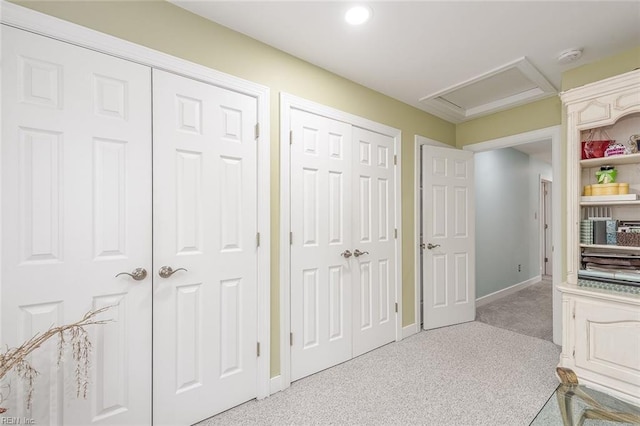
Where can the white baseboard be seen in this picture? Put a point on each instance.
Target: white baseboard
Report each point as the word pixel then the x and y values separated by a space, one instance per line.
pixel 481 301
pixel 276 385
pixel 410 330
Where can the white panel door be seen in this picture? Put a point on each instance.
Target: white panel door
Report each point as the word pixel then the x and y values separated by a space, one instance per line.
pixel 76 211
pixel 372 226
pixel 205 222
pixel 448 223
pixel 343 243
pixel 321 287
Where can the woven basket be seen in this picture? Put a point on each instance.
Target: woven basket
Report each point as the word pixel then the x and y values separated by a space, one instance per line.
pixel 629 239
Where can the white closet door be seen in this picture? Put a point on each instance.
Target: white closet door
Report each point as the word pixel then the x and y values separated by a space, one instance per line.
pixel 373 220
pixel 321 292
pixel 205 221
pixel 76 211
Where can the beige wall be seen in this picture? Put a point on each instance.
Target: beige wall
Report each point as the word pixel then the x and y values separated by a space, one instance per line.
pixel 167 28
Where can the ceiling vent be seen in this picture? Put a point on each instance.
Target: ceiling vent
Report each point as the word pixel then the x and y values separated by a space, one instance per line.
pixel 510 85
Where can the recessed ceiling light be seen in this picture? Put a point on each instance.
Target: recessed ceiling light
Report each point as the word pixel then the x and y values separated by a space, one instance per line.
pixel 358 15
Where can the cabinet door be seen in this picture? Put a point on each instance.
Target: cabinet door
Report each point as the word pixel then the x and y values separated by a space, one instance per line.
pixel 608 339
pixel 76 211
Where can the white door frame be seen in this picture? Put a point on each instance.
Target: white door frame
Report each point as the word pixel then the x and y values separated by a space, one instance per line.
pixel 288 102
pixel 542 209
pixel 553 133
pixel 417 219
pixel 39 23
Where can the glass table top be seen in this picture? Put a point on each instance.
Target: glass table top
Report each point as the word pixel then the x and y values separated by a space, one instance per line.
pixel 574 404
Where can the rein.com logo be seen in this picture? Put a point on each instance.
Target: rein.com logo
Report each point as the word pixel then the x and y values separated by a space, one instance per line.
pixel 17 421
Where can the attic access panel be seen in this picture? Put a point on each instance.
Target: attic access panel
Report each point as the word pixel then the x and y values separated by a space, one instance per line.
pixel 508 86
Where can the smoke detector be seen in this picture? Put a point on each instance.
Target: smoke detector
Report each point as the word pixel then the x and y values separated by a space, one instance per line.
pixel 569 55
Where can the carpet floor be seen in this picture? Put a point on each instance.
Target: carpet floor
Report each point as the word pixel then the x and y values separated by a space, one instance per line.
pixel 468 374
pixel 528 311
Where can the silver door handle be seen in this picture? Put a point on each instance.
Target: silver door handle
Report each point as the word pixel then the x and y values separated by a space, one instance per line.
pixel 167 271
pixel 432 246
pixel 346 254
pixel 137 274
pixel 358 253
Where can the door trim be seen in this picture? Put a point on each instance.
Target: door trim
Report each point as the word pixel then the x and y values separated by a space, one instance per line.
pixel 544 183
pixel 287 103
pixel 39 23
pixel 553 133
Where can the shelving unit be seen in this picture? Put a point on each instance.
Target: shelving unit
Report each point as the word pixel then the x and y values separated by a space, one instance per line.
pixel 614 160
pixel 601 326
pixel 612 247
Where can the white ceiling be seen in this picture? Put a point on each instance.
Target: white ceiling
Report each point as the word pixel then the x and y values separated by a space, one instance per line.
pixel 414 49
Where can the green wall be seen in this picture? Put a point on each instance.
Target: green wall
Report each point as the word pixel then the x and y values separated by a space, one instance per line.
pixel 170 29
pixel 614 65
pixel 525 118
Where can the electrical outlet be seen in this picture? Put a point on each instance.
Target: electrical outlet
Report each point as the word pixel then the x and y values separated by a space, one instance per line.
pixel 519 268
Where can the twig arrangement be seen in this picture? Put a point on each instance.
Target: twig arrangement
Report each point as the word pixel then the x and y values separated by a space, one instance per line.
pixel 73 334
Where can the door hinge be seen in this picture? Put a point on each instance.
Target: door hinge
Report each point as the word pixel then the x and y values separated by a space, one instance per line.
pixel 258 348
pixel 290 137
pixel 546 226
pixel 395 160
pixel 290 237
pixel 546 259
pixel 396 307
pixel 290 339
pixel 395 233
pixel 573 354
pixel 573 314
pixel 257 239
pixel 257 130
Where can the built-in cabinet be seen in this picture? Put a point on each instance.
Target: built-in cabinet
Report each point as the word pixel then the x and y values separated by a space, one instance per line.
pixel 601 326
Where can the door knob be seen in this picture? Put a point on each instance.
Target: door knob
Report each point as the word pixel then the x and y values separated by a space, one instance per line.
pixel 167 271
pixel 346 254
pixel 137 274
pixel 358 253
pixel 432 246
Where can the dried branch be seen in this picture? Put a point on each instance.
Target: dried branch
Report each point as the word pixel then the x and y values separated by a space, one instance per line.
pixel 16 358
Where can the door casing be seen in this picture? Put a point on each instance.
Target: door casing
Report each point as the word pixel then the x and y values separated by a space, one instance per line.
pixel 288 102
pixel 553 133
pixel 27 19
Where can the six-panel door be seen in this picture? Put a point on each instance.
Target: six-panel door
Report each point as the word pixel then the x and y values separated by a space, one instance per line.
pixel 321 269
pixel 343 242
pixel 76 211
pixel 205 221
pixel 448 224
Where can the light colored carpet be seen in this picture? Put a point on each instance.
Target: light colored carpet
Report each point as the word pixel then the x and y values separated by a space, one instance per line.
pixel 528 311
pixel 469 374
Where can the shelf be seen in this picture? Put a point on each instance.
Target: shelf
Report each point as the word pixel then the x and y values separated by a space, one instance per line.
pixel 610 247
pixel 610 203
pixel 614 160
